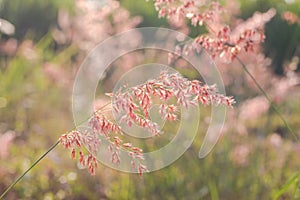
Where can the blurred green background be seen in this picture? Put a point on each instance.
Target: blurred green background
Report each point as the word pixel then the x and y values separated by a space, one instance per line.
pixel 254 159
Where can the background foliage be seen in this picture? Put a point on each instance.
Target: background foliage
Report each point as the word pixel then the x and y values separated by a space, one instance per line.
pixel 254 159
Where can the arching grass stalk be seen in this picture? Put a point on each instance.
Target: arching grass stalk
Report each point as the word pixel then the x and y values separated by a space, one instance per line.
pixel 32 166
pixel 286 124
pixel 39 159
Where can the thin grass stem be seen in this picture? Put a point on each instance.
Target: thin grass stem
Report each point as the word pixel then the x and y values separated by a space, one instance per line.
pixel 286 124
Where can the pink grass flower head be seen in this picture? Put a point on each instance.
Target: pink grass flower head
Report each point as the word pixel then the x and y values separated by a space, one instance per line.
pixel 134 105
pixel 223 41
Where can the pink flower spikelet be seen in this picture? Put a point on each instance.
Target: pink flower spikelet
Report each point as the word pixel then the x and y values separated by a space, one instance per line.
pixel 100 126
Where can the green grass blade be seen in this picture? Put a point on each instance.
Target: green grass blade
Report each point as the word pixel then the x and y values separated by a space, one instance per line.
pixel 286 186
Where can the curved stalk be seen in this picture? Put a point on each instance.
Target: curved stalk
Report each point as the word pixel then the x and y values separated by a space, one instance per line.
pixel 268 99
pixel 24 173
pixel 40 158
